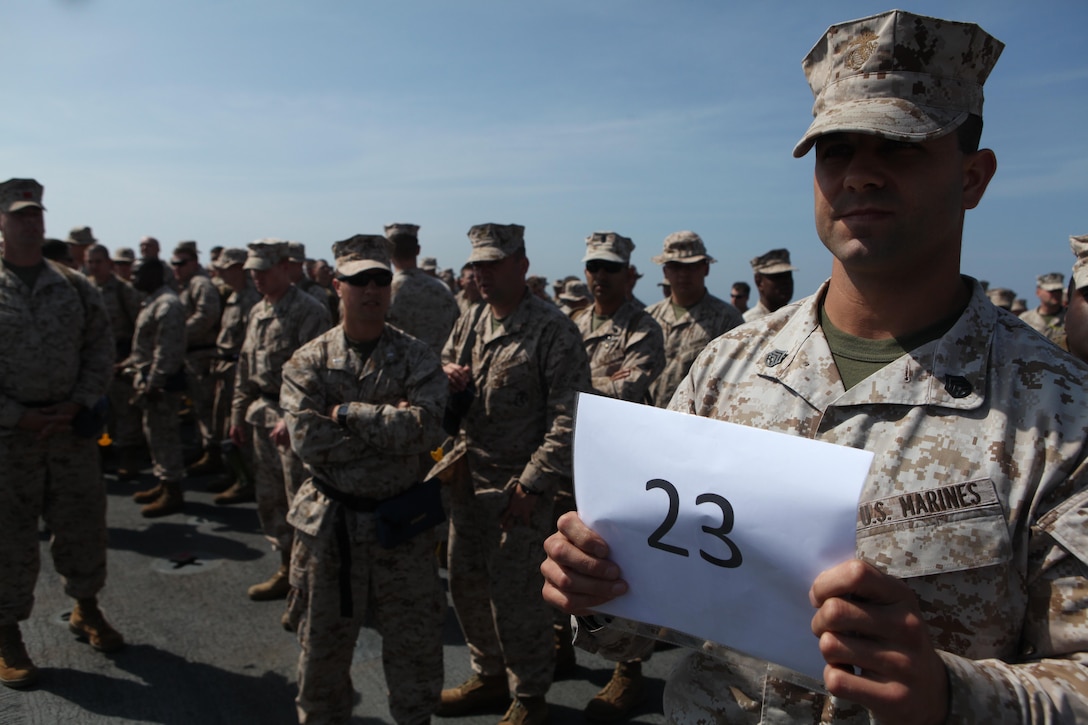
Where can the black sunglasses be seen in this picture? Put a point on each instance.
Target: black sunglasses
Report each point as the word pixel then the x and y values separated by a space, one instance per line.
pixel 178 262
pixel 380 277
pixel 594 266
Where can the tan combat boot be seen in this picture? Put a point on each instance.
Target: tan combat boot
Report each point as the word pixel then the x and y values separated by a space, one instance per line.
pixel 623 693
pixel 16 669
pixel 475 693
pixel 148 495
pixel 526 711
pixel 277 587
pixel 565 660
pixel 240 492
pixel 210 462
pixel 170 501
pixel 87 621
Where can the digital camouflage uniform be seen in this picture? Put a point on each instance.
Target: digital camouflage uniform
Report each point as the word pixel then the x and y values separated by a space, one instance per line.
pixel 976 500
pixel 158 353
pixel 526 371
pixel 686 336
pixel 57 348
pixel 755 313
pixel 630 340
pixel 1052 327
pixel 228 343
pixel 423 307
pixel 202 304
pixel 375 455
pixel 122 303
pixel 273 333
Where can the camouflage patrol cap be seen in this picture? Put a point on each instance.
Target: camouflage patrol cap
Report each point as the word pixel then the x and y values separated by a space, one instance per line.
pixel 360 253
pixel 16 194
pixel 1018 306
pixel 265 253
pixel 493 242
pixel 230 257
pixel 897 75
pixel 397 229
pixel 123 255
pixel 1001 297
pixel 684 247
pixel 81 236
pixel 608 246
pixel 296 251
pixel 575 292
pixel 1079 245
pixel 775 261
pixel 429 264
pixel 1050 282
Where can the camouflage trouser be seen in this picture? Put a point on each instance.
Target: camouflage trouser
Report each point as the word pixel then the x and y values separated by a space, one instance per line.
pixel 399 588
pixel 57 480
pixel 162 431
pixel 202 391
pixel 124 417
pixel 495 583
pixel 223 372
pixel 278 474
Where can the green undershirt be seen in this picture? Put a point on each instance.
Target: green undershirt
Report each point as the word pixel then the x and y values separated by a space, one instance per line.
pixel 28 275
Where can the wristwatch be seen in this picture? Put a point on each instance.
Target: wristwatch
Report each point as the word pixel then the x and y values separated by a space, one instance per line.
pixel 342 415
pixel 526 490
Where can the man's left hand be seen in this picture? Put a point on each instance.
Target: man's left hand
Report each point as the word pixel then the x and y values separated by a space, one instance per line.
pixel 877 645
pixel 519 510
pixel 280 436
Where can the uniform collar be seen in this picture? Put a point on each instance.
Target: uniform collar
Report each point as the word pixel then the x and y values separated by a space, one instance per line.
pixel 950 372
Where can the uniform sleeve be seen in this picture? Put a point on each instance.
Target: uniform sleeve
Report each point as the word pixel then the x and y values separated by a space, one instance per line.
pixel 315 437
pixel 644 356
pixel 564 371
pixel 96 349
pixel 451 351
pixel 1051 684
pixel 130 299
pixel 316 322
pixel 245 391
pixel 169 354
pixel 415 429
pixel 202 323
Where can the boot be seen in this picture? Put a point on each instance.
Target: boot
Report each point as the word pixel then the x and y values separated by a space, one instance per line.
pixel 147 495
pixel 240 492
pixel 623 693
pixel 87 621
pixel 210 462
pixel 219 484
pixel 526 711
pixel 128 463
pixel 277 587
pixel 170 501
pixel 565 661
pixel 474 694
pixel 16 669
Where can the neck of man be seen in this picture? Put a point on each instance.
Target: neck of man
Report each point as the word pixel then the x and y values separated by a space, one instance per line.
pixel 403 264
pixel 363 331
pixel 688 300
pixel 502 310
pixel 878 307
pixel 23 255
pixel 274 298
pixel 1049 308
pixel 606 308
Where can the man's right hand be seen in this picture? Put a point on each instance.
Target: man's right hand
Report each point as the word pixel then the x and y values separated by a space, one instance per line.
pixel 459 376
pixel 238 435
pixel 578 573
pixel 43 422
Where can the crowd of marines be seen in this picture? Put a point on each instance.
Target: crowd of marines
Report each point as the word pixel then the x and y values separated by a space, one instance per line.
pixel 352 399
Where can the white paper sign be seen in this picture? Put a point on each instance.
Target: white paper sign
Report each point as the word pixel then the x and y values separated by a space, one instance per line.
pixel 719 529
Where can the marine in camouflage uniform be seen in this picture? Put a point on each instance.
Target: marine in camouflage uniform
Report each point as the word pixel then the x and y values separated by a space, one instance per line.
pixel 966 601
pixel 284 320
pixel 1048 319
pixel 203 307
pixel 122 303
pixel 772 274
pixel 296 255
pixel 56 361
pixel 237 485
pixel 526 362
pixel 423 306
pixel 156 370
pixel 690 317
pixel 362 402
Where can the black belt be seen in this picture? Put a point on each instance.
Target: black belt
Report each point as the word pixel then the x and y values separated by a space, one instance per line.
pixel 40 404
pixel 360 504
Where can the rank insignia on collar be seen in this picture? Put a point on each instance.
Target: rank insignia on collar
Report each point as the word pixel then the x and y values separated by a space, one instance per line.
pixel 957 386
pixel 774 357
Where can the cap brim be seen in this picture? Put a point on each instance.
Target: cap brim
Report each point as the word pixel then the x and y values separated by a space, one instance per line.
pixel 892 118
pixel 19 205
pixel 604 256
pixel 485 254
pixel 258 264
pixel 778 269
pixel 1051 287
pixel 353 267
pixel 665 258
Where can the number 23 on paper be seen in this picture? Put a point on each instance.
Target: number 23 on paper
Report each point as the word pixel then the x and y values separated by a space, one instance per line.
pixel 718 532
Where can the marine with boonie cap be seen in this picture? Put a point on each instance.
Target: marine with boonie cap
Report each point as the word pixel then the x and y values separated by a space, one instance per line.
pixel 1076 313
pixel 969 611
pixel 773 278
pixel 296 254
pixel 422 305
pixel 382 408
pixel 690 316
pixel 1048 319
pixel 285 319
pixel 79 238
pixel 525 360
pixel 1001 297
pixel 626 351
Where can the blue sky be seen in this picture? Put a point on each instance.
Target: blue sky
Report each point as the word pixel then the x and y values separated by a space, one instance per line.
pixel 226 121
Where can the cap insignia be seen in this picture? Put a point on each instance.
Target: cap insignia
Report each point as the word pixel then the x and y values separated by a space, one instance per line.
pixel 860 49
